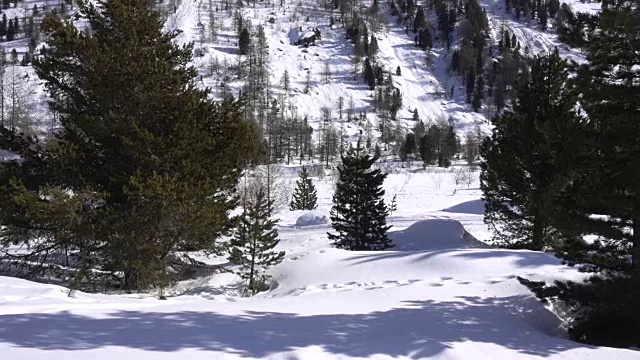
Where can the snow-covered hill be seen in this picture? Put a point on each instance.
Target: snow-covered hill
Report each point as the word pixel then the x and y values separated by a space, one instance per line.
pixel 422 86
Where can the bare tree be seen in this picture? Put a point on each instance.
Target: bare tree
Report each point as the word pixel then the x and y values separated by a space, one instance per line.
pixel 340 106
pixel 307 82
pixel 286 81
pixel 326 72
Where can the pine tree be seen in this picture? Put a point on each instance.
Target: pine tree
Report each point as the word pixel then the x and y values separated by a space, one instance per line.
pixel 426 149
pixel 600 162
pixel 408 147
pixel 518 172
pixel 244 42
pixel 606 181
pixel 373 47
pixel 11 31
pixel 369 76
pixel 359 212
pixel 162 159
pixel 305 195
pixel 252 245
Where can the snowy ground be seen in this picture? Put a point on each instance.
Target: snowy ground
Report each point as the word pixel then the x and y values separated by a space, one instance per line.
pixel 439 294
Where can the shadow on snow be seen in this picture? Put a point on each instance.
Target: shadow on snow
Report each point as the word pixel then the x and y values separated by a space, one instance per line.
pixel 419 329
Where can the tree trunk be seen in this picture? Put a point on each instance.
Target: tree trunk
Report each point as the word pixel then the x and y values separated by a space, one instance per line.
pixel 635 250
pixel 537 240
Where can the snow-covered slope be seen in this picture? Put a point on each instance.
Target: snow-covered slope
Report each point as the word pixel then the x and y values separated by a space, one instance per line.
pixel 439 294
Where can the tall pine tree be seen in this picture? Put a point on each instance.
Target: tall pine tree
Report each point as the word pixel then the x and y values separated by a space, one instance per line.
pixel 601 178
pixel 157 160
pixel 606 180
pixel 253 242
pixel 359 213
pixel 305 196
pixel 518 168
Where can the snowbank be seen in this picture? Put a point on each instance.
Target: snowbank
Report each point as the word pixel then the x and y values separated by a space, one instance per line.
pixel 434 234
pixel 312 218
pixel 475 207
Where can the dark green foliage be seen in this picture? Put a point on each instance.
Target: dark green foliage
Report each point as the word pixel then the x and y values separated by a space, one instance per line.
pixel 408 147
pixel 419 22
pixel 245 42
pixel 424 39
pixel 369 76
pixel 359 213
pixel 153 161
pixel 305 195
pixel 438 145
pixel 518 169
pixel 372 49
pixel 427 150
pixel 11 31
pixel 252 244
pixel 596 166
pixel 476 102
pixel 604 311
pixel 604 161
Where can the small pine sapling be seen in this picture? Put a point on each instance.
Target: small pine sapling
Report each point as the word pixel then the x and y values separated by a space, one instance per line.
pixel 252 244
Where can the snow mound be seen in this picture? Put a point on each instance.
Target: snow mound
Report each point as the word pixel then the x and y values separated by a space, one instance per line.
pixel 312 218
pixel 468 207
pixel 434 234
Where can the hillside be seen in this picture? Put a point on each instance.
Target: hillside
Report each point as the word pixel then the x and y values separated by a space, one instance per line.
pixel 427 84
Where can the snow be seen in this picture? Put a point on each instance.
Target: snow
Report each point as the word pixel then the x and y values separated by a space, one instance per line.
pixel 6 155
pixel 439 294
pixel 311 218
pixel 434 234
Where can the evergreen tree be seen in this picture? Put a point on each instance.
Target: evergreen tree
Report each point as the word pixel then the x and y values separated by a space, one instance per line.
pixel 419 22
pixel 408 147
pixel 3 25
pixel 373 47
pixel 606 181
pixel 600 163
pixel 427 149
pixel 359 212
pixel 369 76
pixel 518 172
pixel 252 244
pixel 156 158
pixel 244 42
pixel 11 31
pixel 305 194
pixel 447 144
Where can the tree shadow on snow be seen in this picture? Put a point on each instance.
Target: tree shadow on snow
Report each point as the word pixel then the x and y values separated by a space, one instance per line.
pixel 417 329
pixel 520 258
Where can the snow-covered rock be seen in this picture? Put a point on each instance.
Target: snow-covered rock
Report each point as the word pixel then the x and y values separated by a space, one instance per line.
pixel 312 218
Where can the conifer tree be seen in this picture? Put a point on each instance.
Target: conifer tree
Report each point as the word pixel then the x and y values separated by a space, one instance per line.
pixel 369 76
pixel 518 172
pixel 606 180
pixel 305 195
pixel 600 162
pixel 244 42
pixel 252 244
pixel 359 213
pixel 158 160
